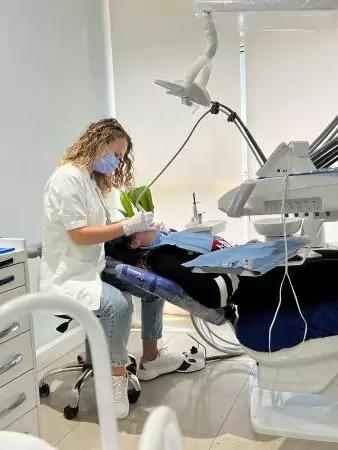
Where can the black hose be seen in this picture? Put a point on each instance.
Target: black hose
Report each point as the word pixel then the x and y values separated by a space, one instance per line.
pixel 324 134
pixel 327 155
pixel 330 159
pixel 171 159
pixel 234 117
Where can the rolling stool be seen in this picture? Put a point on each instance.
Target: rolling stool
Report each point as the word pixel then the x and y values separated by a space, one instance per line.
pixel 84 365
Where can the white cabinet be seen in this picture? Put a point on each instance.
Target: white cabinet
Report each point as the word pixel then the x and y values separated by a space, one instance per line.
pixel 12 277
pixel 15 326
pixel 18 379
pixel 17 398
pixel 16 358
pixel 26 424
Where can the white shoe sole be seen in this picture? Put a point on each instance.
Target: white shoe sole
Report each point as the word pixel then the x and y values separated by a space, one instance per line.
pixel 148 375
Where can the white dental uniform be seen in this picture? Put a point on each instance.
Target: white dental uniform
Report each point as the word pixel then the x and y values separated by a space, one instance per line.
pixel 71 200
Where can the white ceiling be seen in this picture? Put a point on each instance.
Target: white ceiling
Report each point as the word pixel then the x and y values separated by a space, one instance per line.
pixel 274 15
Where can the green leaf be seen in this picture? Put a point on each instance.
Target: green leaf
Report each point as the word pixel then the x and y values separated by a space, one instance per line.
pixel 146 200
pixel 127 204
pixel 129 199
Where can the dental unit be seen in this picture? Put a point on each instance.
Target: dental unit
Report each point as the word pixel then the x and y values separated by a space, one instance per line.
pixel 299 180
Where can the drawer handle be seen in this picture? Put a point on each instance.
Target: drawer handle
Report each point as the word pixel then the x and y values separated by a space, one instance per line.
pixel 19 401
pixel 15 361
pixel 7 280
pixel 6 262
pixel 11 329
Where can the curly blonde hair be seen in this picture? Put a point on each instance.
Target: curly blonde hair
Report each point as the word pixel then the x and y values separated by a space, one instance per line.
pixel 83 152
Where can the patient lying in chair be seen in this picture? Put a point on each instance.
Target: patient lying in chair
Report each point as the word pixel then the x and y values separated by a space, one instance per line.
pixel 256 297
pixel 211 290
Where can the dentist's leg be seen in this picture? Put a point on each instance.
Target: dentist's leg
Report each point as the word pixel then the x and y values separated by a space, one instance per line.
pixel 115 316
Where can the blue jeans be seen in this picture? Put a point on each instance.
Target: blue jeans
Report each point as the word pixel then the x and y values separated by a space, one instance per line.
pixel 116 314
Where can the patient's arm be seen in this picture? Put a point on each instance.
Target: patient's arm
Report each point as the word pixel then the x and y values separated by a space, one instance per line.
pixel 166 261
pixel 201 287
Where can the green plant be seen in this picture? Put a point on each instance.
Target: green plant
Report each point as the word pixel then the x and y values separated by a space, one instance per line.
pixel 129 199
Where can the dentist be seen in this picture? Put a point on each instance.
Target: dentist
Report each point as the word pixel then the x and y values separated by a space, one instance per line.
pixel 76 223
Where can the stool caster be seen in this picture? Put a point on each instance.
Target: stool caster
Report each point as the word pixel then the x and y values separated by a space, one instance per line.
pixel 44 390
pixel 69 412
pixel 133 395
pixel 134 388
pixel 132 366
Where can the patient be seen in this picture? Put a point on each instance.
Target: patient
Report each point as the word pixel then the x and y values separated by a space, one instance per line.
pixel 256 298
pixel 211 290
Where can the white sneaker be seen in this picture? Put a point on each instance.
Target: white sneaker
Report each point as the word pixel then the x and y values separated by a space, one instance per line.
pixel 165 362
pixel 120 396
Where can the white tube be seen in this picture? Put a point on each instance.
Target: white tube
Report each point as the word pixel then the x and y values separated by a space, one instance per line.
pixel 97 342
pixel 217 342
pixel 211 34
pixel 203 77
pixel 209 52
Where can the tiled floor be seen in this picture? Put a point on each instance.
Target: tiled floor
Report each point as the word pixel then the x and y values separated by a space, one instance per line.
pixel 211 406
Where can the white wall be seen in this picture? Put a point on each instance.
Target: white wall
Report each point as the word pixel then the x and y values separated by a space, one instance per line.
pixel 55 79
pixel 53 82
pixel 292 89
pixel 156 39
pixel 292 85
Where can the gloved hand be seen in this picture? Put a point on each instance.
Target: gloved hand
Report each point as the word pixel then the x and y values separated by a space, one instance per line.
pixel 161 226
pixel 142 221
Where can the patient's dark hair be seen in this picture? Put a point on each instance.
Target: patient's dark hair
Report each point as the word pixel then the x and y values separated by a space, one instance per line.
pixel 120 249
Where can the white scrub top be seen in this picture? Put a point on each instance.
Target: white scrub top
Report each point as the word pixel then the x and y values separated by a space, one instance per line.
pixel 71 200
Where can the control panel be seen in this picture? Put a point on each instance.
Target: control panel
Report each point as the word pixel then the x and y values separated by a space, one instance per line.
pixel 293 206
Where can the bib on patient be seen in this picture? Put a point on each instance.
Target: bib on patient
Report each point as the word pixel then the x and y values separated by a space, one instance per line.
pixel 194 242
pixel 249 259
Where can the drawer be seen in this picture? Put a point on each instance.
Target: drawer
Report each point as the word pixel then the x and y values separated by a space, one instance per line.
pixel 16 326
pixel 28 424
pixel 8 259
pixel 17 399
pixel 16 357
pixel 12 277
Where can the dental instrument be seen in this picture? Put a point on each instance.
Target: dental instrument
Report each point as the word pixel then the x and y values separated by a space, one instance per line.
pixel 192 89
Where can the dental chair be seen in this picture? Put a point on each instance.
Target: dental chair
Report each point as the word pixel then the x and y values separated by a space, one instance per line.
pixel 291 390
pixel 83 365
pixel 294 391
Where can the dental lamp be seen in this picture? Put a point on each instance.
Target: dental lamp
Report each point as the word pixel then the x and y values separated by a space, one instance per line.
pixel 246 15
pixel 192 89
